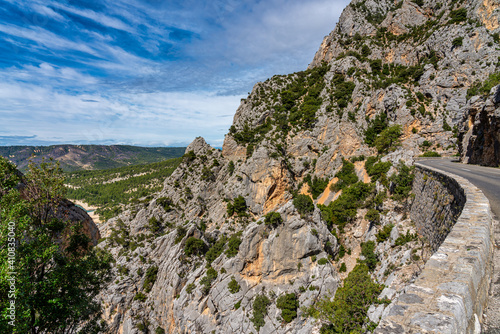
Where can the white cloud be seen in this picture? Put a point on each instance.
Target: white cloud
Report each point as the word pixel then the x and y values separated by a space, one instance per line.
pixel 144 119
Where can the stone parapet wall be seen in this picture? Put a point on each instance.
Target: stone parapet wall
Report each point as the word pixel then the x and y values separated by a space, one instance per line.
pixel 450 294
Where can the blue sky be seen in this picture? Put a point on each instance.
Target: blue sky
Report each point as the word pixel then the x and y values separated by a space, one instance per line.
pixel 150 72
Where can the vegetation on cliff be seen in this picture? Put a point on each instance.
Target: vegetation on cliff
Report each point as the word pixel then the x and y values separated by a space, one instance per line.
pixel 48 266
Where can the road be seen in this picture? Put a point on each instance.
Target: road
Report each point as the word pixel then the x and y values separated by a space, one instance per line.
pixel 485 178
pixel 488 180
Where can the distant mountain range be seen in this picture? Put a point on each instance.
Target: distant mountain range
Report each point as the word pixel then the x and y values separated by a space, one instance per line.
pixel 89 157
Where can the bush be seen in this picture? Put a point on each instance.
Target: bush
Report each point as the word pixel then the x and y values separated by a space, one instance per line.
pixel 207 280
pixel 388 139
pixel 458 15
pixel 150 279
pixel 346 175
pixel 181 233
pixel 239 206
pixel 233 286
pixel 233 245
pixel 379 124
pixel 343 268
pixel 194 246
pixel 431 154
pixel 166 203
pixel 230 167
pixel 375 169
pixel 288 304
pixel 402 182
pixel 457 42
pixel 348 310
pixel 404 238
pixel 159 330
pixel 303 204
pixel 140 296
pixel 373 216
pixel 384 233
pixel 154 225
pixel 273 218
pixel 316 185
pixel 190 288
pixel 260 305
pixel 368 251
pixel 216 250
pixel 322 261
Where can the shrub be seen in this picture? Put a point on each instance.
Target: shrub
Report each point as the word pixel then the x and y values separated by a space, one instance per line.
pixel 207 280
pixel 189 157
pixel 373 216
pixel 322 261
pixel 150 279
pixel 402 182
pixel 159 330
pixel 347 312
pixel 181 233
pixel 404 238
pixel 316 185
pixel 230 167
pixel 194 246
pixel 140 296
pixel 384 233
pixel 379 124
pixel 457 42
pixel 166 203
pixel 431 154
pixel 288 304
pixel 190 288
pixel 233 245
pixel 154 224
pixel 388 139
pixel 458 15
pixel 237 305
pixel 368 251
pixel 346 175
pixel 233 286
pixel 343 268
pixel 303 204
pixel 239 206
pixel 376 170
pixel 216 250
pixel 273 218
pixel 260 305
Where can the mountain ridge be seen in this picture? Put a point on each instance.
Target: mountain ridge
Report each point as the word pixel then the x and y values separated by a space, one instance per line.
pixel 89 157
pixel 312 187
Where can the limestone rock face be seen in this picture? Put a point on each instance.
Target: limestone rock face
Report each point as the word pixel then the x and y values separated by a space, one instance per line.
pixel 480 131
pixel 407 64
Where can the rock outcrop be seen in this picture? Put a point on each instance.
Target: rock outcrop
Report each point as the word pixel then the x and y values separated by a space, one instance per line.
pixel 392 81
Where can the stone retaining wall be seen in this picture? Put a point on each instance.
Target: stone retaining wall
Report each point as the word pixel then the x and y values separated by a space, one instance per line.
pixel 450 294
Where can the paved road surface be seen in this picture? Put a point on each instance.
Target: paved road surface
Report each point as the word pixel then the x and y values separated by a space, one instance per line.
pixel 485 178
pixel 488 180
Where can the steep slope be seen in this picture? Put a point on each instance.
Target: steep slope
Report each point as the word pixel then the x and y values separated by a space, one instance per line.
pixel 89 157
pixel 390 81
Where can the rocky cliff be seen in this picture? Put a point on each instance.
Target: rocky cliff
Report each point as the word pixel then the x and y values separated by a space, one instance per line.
pixel 292 203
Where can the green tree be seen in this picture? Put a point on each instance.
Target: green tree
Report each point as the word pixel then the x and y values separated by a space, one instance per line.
pixel 58 273
pixel 347 312
pixel 388 138
pixel 288 304
pixel 303 204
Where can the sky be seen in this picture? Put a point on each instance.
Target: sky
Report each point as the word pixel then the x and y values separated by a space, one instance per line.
pixel 145 72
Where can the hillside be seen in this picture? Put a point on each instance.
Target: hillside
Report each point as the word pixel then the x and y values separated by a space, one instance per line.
pixel 109 190
pixel 301 224
pixel 89 157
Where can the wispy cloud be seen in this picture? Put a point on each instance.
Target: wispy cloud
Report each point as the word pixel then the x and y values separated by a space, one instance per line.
pixel 143 72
